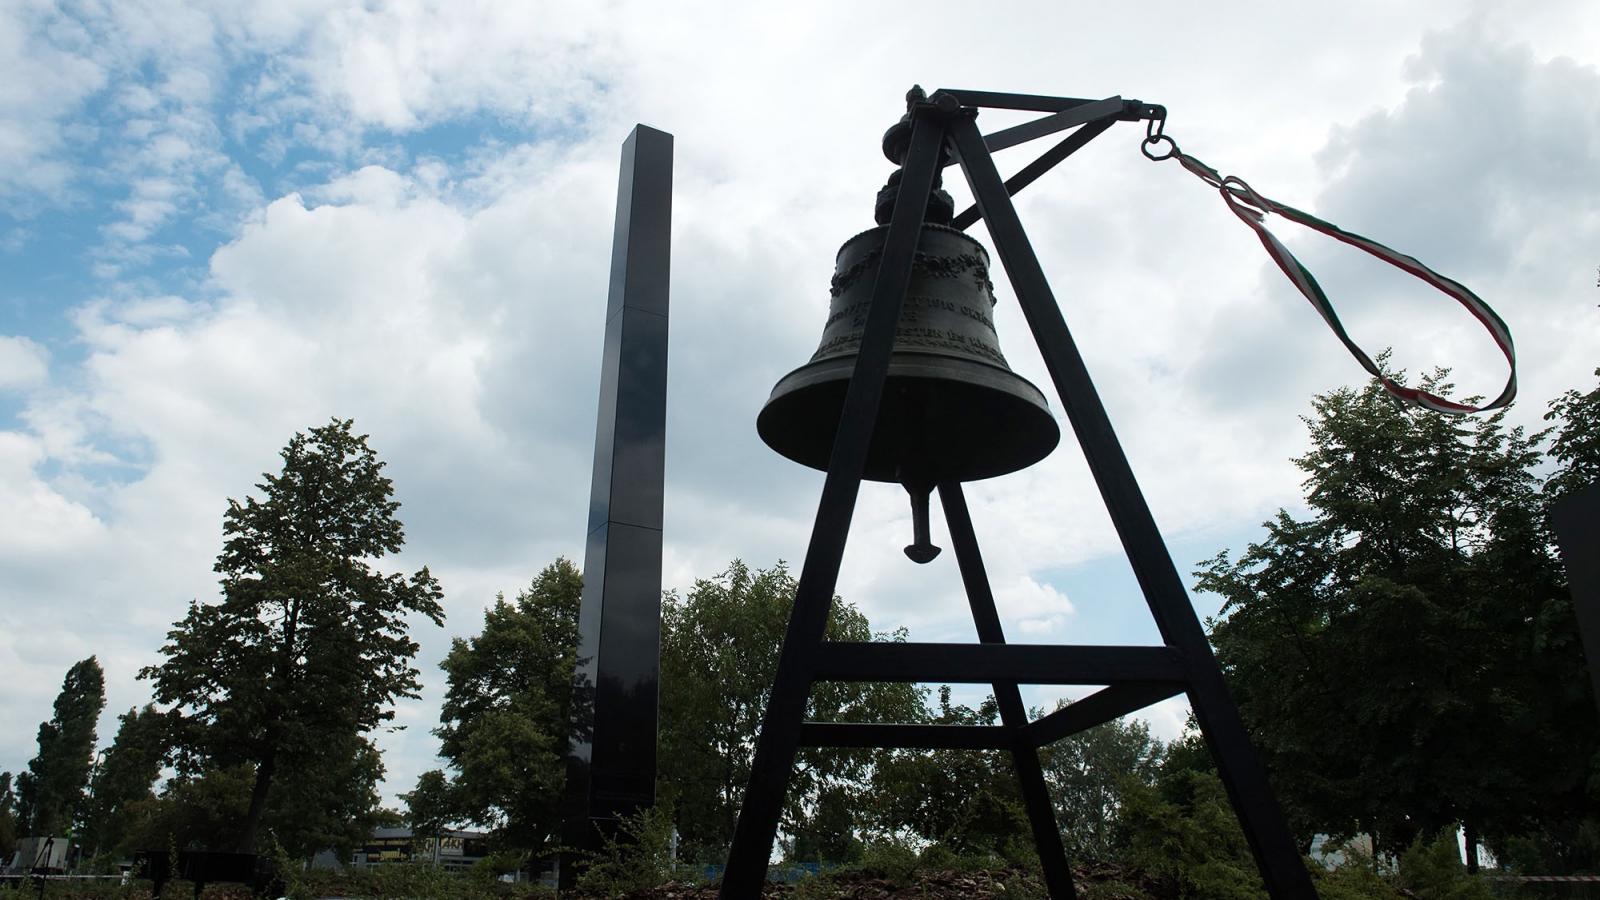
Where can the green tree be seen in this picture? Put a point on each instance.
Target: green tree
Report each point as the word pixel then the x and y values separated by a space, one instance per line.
pixel 966 800
pixel 1390 652
pixel 1576 446
pixel 1564 836
pixel 333 801
pixel 1181 837
pixel 309 647
pixel 430 805
pixel 195 810
pixel 125 780
pixel 50 794
pixel 719 655
pixel 333 805
pixel 8 819
pixel 1089 773
pixel 503 727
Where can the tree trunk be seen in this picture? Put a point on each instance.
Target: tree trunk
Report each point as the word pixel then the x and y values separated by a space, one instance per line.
pixel 258 802
pixel 1469 834
pixel 269 760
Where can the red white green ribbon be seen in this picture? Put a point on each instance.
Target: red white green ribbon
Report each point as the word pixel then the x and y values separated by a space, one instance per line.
pixel 1251 208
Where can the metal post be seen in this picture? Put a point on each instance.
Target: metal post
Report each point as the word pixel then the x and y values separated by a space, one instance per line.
pixel 1575 519
pixel 1024 753
pixel 1242 773
pixel 781 724
pixel 611 765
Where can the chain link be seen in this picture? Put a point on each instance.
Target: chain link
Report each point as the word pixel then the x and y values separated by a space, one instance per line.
pixel 1155 137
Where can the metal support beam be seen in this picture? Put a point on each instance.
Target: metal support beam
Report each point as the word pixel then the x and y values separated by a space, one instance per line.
pixel 1137 675
pixel 926 737
pixel 1108 108
pixel 1240 768
pixel 611 763
pixel 1097 709
pixel 988 663
pixel 999 100
pixel 1030 173
pixel 781 724
pixel 1013 715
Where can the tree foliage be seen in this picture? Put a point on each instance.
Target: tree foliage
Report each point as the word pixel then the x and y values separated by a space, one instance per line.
pixel 50 794
pixel 503 727
pixel 1182 835
pixel 1090 772
pixel 8 817
pixel 719 655
pixel 1406 655
pixel 430 805
pixel 125 780
pixel 966 800
pixel 194 811
pixel 1576 445
pixel 309 647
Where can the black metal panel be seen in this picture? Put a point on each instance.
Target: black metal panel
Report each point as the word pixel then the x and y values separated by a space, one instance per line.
pixel 927 737
pixel 629 438
pixel 780 725
pixel 641 271
pixel 611 762
pixel 988 663
pixel 628 487
pixel 624 760
pixel 1576 522
pixel 1239 766
pixel 1097 709
pixel 611 766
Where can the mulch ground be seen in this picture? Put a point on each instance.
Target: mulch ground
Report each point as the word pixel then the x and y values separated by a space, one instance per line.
pixel 950 884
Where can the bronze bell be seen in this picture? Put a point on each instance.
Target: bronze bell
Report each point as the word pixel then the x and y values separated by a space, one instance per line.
pixel 952 409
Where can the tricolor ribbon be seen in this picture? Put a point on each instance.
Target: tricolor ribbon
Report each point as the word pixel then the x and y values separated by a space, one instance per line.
pixel 1251 208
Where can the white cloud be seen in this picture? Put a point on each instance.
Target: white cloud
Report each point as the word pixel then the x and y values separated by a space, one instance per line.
pixel 39 522
pixel 453 305
pixel 23 363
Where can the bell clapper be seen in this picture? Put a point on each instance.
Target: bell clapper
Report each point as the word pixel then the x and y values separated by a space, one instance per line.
pixel 921 548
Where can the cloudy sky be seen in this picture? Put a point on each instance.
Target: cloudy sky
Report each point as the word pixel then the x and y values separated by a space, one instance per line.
pixel 222 224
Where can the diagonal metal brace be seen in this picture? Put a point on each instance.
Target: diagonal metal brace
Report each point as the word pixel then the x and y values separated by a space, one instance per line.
pixel 1098 708
pixel 1095 117
pixel 1109 108
pixel 1030 173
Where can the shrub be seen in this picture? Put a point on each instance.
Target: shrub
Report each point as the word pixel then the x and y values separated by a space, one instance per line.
pixel 1432 870
pixel 637 856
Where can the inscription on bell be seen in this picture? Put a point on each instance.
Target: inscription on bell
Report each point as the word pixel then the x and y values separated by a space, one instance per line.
pixel 947 308
pixel 930 264
pixel 909 312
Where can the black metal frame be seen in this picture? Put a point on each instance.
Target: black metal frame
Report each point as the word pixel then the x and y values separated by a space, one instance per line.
pixel 1576 521
pixel 1136 676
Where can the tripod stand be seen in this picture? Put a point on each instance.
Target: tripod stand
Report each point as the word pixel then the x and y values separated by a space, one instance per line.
pixel 943 130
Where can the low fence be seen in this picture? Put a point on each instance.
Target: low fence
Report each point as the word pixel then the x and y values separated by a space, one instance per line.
pixel 1544 887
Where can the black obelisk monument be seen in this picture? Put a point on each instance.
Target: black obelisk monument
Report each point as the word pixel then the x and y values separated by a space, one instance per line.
pixel 1576 521
pixel 611 766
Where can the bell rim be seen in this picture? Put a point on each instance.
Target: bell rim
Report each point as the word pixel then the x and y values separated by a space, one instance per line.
pixel 912 364
pixel 1002 387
